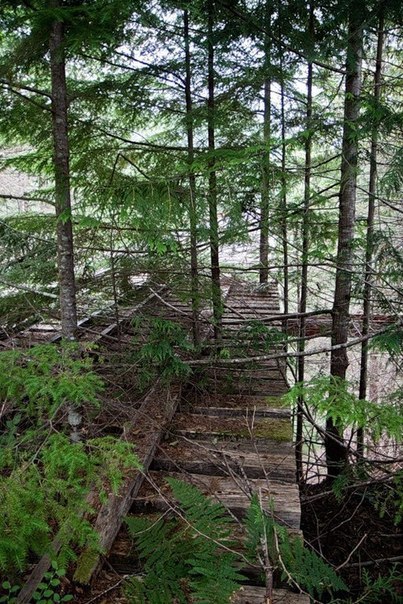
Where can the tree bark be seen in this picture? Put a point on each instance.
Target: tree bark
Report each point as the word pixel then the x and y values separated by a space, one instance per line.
pixel 194 272
pixel 305 249
pixel 65 250
pixel 283 190
pixel 368 278
pixel 212 187
pixel 283 203
pixel 265 194
pixel 335 449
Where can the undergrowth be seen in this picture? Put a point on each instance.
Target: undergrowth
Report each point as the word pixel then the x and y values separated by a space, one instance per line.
pixel 45 478
pixel 191 557
pixel 185 559
pixel 158 347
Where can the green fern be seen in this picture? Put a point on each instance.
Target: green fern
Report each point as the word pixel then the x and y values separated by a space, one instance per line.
pixel 179 556
pixel 159 355
pixel 298 564
pixel 39 381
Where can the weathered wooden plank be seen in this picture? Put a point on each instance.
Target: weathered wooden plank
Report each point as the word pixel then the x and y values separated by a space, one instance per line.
pixel 257 595
pixel 237 400
pixel 277 429
pixel 255 369
pixel 204 458
pixel 152 418
pixel 282 496
pixel 241 412
pixel 246 313
pixel 262 387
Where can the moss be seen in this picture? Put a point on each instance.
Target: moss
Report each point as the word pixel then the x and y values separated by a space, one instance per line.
pixel 274 402
pixel 86 564
pixel 279 430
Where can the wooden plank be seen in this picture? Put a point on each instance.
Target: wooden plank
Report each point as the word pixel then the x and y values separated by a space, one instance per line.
pixel 257 595
pixel 201 457
pixel 246 313
pixel 238 400
pixel 153 417
pixel 262 387
pixel 284 497
pixel 277 429
pixel 241 412
pixel 260 373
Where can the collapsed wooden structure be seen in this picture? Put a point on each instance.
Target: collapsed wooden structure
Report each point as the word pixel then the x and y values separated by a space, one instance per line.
pixel 231 437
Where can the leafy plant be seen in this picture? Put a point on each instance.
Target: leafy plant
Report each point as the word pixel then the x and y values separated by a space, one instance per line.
pixel 179 556
pixel 10 597
pixel 48 495
pixel 298 564
pixel 385 588
pixel 160 354
pixel 332 398
pixel 39 380
pixel 48 590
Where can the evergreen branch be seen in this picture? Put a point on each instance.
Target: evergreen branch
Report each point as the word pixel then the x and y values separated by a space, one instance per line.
pixel 27 98
pixel 20 86
pixel 28 289
pixel 281 355
pixel 244 17
pixel 25 198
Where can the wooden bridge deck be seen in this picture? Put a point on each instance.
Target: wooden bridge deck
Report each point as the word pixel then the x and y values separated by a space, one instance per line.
pixel 229 442
pixel 231 438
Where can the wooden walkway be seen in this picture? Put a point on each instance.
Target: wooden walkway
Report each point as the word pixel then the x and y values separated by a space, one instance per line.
pixel 229 436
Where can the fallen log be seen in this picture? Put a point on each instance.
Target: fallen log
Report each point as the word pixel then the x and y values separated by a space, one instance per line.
pixel 152 419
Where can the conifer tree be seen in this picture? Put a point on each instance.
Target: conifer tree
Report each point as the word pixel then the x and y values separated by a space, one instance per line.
pixel 335 450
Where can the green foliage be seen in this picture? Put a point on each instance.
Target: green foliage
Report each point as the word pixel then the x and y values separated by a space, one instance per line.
pixel 46 477
pixel 16 308
pixel 331 397
pixel 390 341
pixel 299 565
pixel 385 588
pixel 390 500
pixel 48 493
pixel 179 556
pixel 47 590
pixel 40 380
pixel 10 597
pixel 160 354
pixel 260 337
pixel 28 248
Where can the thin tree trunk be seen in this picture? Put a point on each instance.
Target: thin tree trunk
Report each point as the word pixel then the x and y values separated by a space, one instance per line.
pixel 65 251
pixel 284 222
pixel 192 190
pixel 335 449
pixel 305 249
pixel 370 230
pixel 283 198
pixel 265 194
pixel 212 192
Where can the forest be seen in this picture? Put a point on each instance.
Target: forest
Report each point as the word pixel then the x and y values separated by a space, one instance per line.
pixel 201 243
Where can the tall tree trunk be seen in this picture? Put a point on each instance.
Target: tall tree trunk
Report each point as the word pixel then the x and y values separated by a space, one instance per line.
pixel 212 192
pixel 370 229
pixel 192 189
pixel 305 249
pixel 265 194
pixel 335 449
pixel 283 202
pixel 65 251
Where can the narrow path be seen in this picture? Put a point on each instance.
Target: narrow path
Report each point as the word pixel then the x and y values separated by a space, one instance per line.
pixel 230 437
